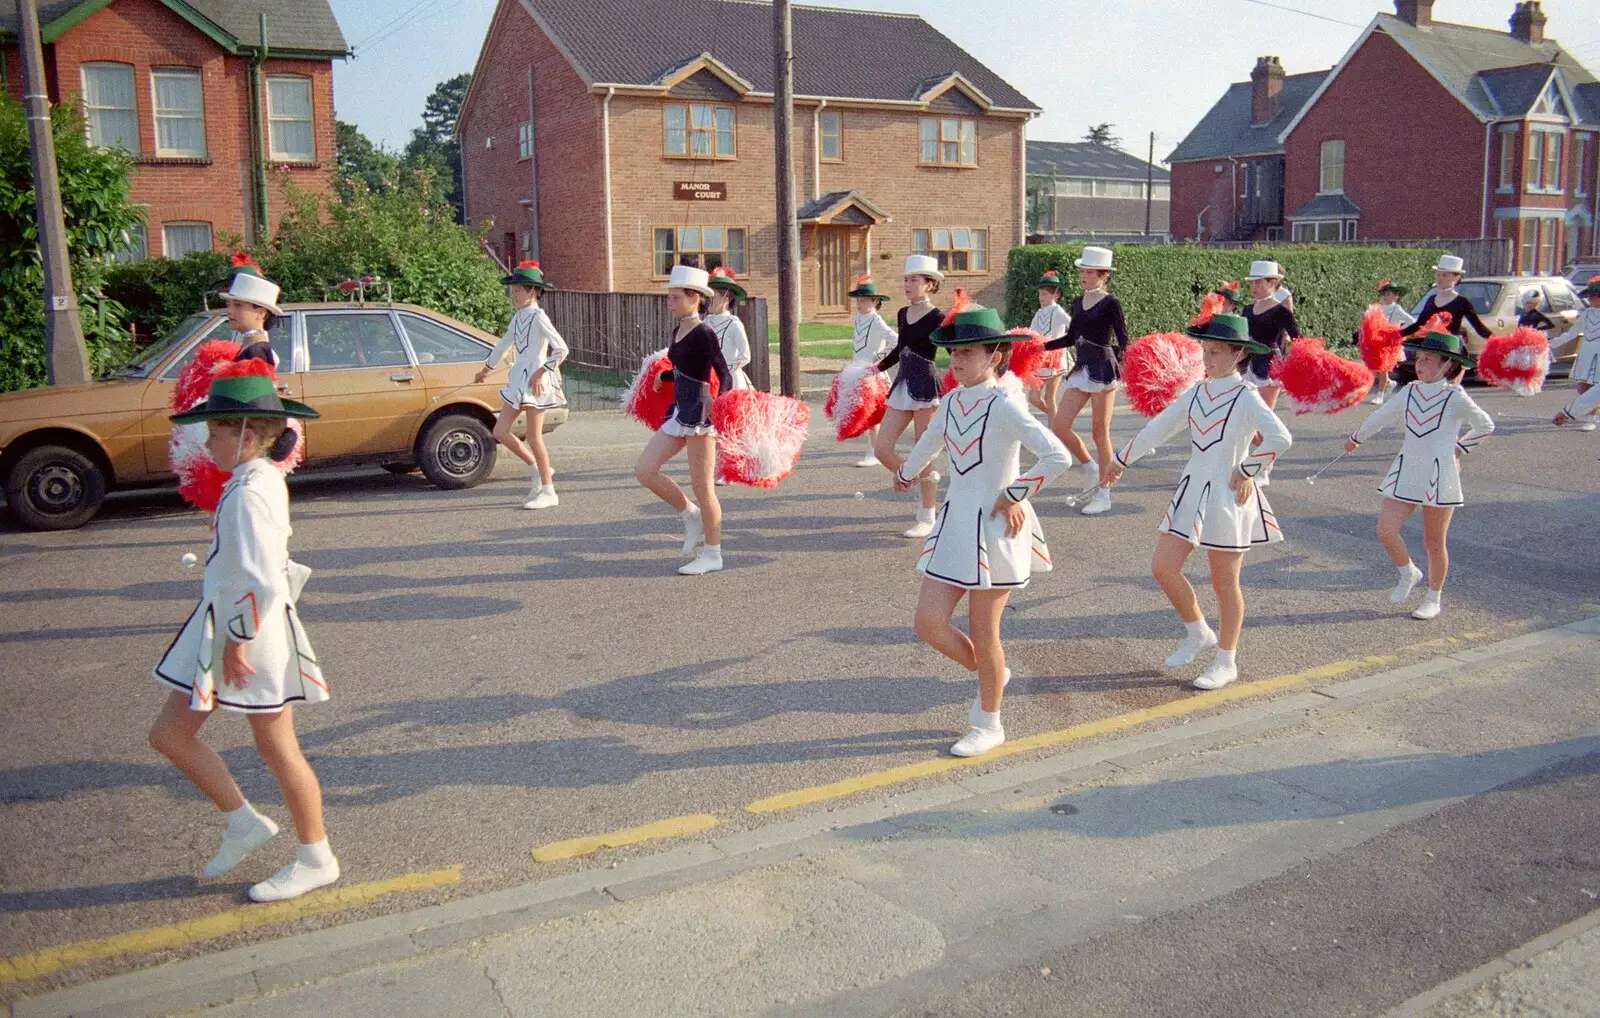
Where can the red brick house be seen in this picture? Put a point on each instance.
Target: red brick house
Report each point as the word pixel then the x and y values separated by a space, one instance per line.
pixel 613 139
pixel 1424 129
pixel 213 119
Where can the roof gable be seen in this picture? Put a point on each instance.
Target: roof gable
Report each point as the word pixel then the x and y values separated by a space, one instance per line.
pixel 294 27
pixel 843 54
pixel 1084 159
pixel 1226 130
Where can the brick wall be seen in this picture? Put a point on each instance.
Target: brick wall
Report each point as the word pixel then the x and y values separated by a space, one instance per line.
pixel 215 190
pixel 568 152
pixel 1203 193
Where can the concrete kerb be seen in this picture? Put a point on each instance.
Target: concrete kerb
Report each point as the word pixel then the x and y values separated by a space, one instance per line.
pixel 297 959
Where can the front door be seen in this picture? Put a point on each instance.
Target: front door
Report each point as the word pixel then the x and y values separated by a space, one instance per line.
pixel 841 258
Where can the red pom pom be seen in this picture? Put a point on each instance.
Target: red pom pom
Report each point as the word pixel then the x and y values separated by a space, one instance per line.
pixel 1158 368
pixel 245 368
pixel 948 384
pixel 833 399
pixel 1379 341
pixel 651 408
pixel 1027 356
pixel 863 397
pixel 1317 381
pixel 1518 362
pixel 759 436
pixel 194 381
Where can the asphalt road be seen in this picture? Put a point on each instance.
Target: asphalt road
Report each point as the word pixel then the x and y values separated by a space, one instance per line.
pixel 504 679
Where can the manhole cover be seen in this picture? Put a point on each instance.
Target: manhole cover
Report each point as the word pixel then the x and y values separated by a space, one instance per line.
pixel 1065 809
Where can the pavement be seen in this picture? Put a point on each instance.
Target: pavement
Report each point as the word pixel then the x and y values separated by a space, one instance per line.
pixel 521 698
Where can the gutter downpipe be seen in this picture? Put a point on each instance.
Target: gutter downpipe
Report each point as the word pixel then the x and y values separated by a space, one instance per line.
pixel 1233 196
pixel 1199 224
pixel 605 144
pixel 258 140
pixel 816 149
pixel 1483 216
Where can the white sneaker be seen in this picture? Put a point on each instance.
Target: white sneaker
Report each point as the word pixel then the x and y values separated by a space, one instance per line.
pixel 1432 604
pixel 1217 675
pixel 977 701
pixel 294 880
pixel 978 741
pixel 543 499
pixel 1099 503
pixel 708 561
pixel 719 482
pixel 1407 584
pixel 921 528
pixel 867 461
pixel 1190 648
pixel 1377 398
pixel 236 847
pixel 694 531
pixel 1586 426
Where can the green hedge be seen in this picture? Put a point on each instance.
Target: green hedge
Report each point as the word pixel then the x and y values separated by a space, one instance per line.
pixel 1161 287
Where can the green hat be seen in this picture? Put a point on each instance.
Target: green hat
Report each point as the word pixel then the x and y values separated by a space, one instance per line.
pixel 969 326
pixel 527 274
pixel 1230 329
pixel 1051 277
pixel 1232 291
pixel 865 287
pixel 244 396
pixel 1390 286
pixel 1445 344
pixel 722 278
pixel 1592 290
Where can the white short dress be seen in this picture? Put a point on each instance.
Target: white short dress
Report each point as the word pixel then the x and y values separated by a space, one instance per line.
pixel 872 341
pixel 735 345
pixel 984 428
pixel 249 593
pixel 1587 366
pixel 537 343
pixel 1051 322
pixel 1426 471
pixel 1221 415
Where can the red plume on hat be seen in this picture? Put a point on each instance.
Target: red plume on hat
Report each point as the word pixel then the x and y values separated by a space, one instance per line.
pixel 1594 279
pixel 722 272
pixel 1051 273
pixel 529 264
pixel 242 260
pixel 864 280
pixel 962 303
pixel 1386 281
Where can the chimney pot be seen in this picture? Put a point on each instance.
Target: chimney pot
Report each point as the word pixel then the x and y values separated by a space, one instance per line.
pixel 1527 23
pixel 1266 90
pixel 1418 13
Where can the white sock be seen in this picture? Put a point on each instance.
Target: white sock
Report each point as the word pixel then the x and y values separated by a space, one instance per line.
pixel 244 818
pixel 1196 628
pixel 316 854
pixel 926 515
pixel 714 550
pixel 548 488
pixel 1433 597
pixel 1226 657
pixel 989 720
pixel 690 513
pixel 1405 570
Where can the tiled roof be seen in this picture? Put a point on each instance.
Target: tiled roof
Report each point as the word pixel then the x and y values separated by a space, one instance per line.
pixel 1082 159
pixel 838 53
pixel 1327 206
pixel 1226 130
pixel 303 25
pixel 1477 63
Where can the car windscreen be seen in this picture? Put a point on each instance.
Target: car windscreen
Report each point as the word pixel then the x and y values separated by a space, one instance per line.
pixel 151 357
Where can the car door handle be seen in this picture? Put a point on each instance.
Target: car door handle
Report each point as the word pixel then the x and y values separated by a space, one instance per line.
pixel 402 378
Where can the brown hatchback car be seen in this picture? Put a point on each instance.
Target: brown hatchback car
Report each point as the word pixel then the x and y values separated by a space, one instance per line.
pixel 393 383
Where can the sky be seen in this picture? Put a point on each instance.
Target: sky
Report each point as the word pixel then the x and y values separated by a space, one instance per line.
pixel 1142 65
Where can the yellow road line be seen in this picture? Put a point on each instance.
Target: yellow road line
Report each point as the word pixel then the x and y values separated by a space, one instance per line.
pixel 193 931
pixel 669 828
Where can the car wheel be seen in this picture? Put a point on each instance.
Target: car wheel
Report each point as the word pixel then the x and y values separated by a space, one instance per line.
pixel 457 451
pixel 399 468
pixel 55 488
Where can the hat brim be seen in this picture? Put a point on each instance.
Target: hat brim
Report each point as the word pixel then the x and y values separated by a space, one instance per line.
pixel 862 294
pixel 1243 344
pixel 733 288
pixel 704 291
pixel 291 408
pixel 1422 347
pixel 1252 279
pixel 1459 272
pixel 1098 268
pixel 1398 291
pixel 514 281
pixel 967 335
pixel 1592 290
pixel 933 274
pixel 271 308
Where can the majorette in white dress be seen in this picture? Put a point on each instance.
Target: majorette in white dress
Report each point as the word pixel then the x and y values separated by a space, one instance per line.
pixel 1426 471
pixel 1051 322
pixel 249 593
pixel 735 345
pixel 984 429
pixel 537 343
pixel 873 339
pixel 1222 415
pixel 1586 368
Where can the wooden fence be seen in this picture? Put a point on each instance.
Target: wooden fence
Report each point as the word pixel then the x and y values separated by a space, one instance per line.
pixel 611 334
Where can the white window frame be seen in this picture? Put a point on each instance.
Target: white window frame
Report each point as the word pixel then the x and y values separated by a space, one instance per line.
pixel 1508 159
pixel 679 245
pixel 943 132
pixel 836 135
pixel 310 119
pixel 1329 147
pixel 1107 189
pixel 700 121
pixel 166 246
pixel 1582 145
pixel 524 141
pixel 132 144
pixel 199 116
pixel 1344 230
pixel 942 242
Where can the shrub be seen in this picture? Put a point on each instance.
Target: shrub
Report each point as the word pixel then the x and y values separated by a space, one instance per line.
pixel 161 292
pixel 1161 287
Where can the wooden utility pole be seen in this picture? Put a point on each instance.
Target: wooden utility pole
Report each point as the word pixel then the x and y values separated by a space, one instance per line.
pixel 1149 182
pixel 66 357
pixel 788 229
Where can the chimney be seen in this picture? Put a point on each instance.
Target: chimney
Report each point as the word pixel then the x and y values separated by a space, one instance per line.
pixel 1266 90
pixel 1527 23
pixel 1417 13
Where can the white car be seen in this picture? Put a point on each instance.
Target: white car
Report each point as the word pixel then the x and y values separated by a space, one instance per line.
pixel 1498 301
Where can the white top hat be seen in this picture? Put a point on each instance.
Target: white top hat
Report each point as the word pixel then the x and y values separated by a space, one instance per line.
pixel 687 277
pixel 1095 258
pixel 253 289
pixel 923 265
pixel 1450 263
pixel 1264 270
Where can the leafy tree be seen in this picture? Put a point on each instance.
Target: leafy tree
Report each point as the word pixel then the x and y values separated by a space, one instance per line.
pixel 100 222
pixel 361 163
pixel 1102 134
pixel 433 145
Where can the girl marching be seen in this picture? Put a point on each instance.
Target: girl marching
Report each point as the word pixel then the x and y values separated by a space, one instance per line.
pixel 246 628
pixel 252 305
pixel 726 292
pixel 1218 503
pixel 872 340
pixel 694 354
pixel 915 394
pixel 1389 294
pixel 1272 324
pixel 987 541
pixel 1098 336
pixel 1458 309
pixel 1051 321
pixel 1426 473
pixel 535 382
pixel 1586 369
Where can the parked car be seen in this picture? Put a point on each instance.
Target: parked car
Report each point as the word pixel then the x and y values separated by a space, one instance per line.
pixel 1581 271
pixel 393 383
pixel 1498 301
